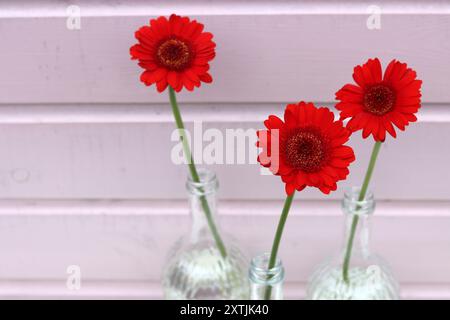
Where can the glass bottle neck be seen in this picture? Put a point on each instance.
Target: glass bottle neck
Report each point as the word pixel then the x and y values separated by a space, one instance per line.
pixel 263 279
pixel 202 194
pixel 358 219
pixel 361 238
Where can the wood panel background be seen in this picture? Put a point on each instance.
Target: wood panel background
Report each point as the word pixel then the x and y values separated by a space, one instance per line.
pixel 85 170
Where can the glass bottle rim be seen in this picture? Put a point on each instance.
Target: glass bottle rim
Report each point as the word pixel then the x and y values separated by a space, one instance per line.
pixel 260 273
pixel 352 205
pixel 208 183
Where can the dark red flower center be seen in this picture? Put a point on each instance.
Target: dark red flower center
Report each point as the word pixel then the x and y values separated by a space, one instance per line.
pixel 306 149
pixel 379 99
pixel 174 54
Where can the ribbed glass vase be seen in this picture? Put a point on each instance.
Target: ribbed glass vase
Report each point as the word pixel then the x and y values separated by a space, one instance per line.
pixel 197 269
pixel 368 276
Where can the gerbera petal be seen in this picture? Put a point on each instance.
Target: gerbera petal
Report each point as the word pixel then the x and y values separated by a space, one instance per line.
pixel 302 118
pixel 147 78
pixel 328 189
pixel 301 179
pixel 330 171
pixel 163 37
pixel 375 69
pixel 313 179
pixel 389 69
pixel 367 129
pixel 192 76
pixel 175 24
pixel 367 74
pixel 407 78
pixel 289 178
pixel 411 90
pixel 358 76
pixel 338 163
pixel 381 132
pixel 173 79
pixel 273 122
pixel 161 26
pixel 139 52
pixel 343 152
pixel 351 88
pixel 349 96
pixel 205 77
pixel 410 117
pixel 408 101
pixel 204 37
pixel 327 179
pixel 310 146
pixel 161 85
pixel 349 109
pixel 290 188
pixel 393 98
pixel 187 83
pixel 398 120
pixel 290 115
pixel 388 126
pixel 310 110
pixel 194 30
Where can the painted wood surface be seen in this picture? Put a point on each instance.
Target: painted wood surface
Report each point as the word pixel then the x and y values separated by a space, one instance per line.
pixel 85 171
pixel 128 240
pixel 133 161
pixel 281 56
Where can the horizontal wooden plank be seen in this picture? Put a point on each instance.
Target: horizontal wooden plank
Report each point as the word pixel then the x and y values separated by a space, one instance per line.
pixel 132 160
pixel 282 55
pixel 96 8
pixel 75 123
pixel 129 241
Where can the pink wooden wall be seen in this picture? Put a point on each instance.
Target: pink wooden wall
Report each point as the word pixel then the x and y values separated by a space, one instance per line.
pixel 85 171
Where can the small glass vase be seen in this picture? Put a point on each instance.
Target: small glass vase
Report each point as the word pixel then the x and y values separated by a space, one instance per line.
pixel 196 268
pixel 265 283
pixel 368 277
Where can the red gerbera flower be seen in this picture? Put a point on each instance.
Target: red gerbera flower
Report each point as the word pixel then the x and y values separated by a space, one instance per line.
pixel 307 148
pixel 377 102
pixel 174 52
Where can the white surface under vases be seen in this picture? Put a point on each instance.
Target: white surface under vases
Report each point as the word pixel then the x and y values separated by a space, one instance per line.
pixel 197 268
pixel 368 276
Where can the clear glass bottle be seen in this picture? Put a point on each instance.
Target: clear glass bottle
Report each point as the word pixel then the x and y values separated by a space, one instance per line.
pixel 263 279
pixel 369 277
pixel 196 268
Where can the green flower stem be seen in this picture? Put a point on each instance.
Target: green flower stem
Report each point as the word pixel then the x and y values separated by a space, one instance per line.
pixel 193 171
pixel 277 239
pixel 362 195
